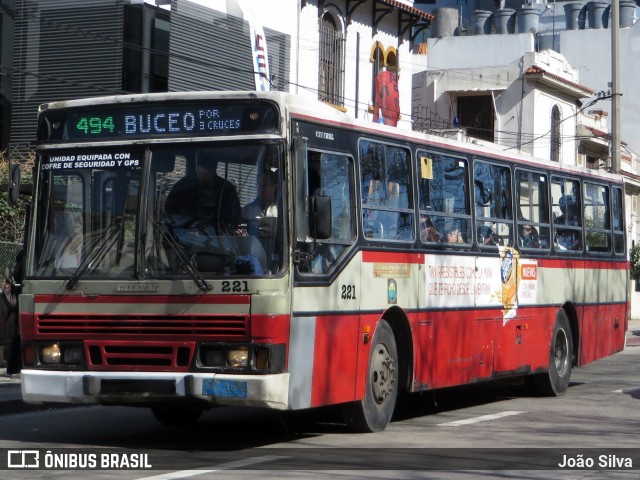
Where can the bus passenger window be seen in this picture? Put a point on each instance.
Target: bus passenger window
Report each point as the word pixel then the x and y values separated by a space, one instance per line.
pixel 597 218
pixel 386 191
pixel 567 215
pixel 532 208
pixel 443 198
pixel 494 216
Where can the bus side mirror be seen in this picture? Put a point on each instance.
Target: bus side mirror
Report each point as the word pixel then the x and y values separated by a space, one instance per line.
pixel 14 184
pixel 320 217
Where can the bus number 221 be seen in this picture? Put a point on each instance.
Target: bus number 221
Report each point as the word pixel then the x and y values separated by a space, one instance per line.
pixel 348 292
pixel 237 286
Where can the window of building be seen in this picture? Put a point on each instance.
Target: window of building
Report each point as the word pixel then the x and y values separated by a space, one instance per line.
pixel 476 115
pixel 331 68
pixel 556 140
pixel 159 81
pixel 377 65
pixel 132 49
pixel 145 69
pixel 385 96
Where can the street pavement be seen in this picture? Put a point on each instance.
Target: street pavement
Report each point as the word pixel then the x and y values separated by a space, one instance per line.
pixel 11 397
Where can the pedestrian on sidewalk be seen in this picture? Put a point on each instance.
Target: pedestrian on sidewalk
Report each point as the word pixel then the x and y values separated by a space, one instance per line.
pixel 9 316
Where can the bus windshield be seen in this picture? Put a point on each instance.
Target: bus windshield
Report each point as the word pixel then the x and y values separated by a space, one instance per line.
pixel 205 211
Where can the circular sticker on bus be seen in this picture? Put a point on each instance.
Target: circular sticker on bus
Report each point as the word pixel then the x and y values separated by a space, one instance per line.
pixel 392 291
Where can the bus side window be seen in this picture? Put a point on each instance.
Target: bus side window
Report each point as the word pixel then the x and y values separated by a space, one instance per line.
pixel 494 214
pixel 387 198
pixel 597 218
pixel 532 209
pixel 330 175
pixel 617 212
pixel 444 197
pixel 567 214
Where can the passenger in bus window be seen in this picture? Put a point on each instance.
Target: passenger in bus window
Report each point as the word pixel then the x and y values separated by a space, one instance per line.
pixel 529 237
pixel 428 232
pixel 569 211
pixel 568 240
pixel 488 236
pixel 205 200
pixel 264 206
pixel 454 236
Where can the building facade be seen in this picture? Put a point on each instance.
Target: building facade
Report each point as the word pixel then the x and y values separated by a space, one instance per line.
pixel 357 56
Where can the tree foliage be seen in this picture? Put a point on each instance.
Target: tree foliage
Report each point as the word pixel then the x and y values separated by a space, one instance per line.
pixel 12 218
pixel 634 260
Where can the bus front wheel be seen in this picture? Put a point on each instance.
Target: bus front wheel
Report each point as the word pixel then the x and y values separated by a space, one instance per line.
pixel 374 411
pixel 555 381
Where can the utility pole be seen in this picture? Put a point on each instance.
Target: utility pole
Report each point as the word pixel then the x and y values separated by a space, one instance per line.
pixel 615 86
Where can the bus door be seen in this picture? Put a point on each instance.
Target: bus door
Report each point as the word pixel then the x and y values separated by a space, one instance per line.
pixel 327 293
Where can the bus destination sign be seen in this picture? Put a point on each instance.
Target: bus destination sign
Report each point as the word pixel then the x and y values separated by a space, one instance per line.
pixel 169 120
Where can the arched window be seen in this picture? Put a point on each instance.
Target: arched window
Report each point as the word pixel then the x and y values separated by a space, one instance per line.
pixel 555 134
pixel 377 64
pixel 392 60
pixel 331 68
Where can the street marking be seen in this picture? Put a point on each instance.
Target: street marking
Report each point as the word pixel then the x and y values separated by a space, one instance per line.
pixel 626 390
pixel 222 466
pixel 482 418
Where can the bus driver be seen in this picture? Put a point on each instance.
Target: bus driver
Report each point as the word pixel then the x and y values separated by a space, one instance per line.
pixel 206 199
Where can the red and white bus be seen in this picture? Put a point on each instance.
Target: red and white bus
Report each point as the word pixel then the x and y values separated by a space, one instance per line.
pixel 389 261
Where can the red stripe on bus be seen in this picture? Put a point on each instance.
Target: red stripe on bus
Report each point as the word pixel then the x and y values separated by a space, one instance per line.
pixel 155 299
pixel 392 257
pixel 580 263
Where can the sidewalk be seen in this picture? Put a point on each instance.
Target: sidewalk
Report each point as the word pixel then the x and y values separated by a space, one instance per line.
pixel 633 334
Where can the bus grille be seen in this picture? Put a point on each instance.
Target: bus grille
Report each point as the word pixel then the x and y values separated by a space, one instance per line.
pixel 118 356
pixel 232 327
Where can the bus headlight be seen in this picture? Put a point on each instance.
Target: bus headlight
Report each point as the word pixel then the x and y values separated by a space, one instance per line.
pixel 50 354
pixel 238 357
pixel 255 358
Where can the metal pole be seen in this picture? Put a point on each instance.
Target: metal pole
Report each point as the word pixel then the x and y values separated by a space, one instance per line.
pixel 357 70
pixel 615 86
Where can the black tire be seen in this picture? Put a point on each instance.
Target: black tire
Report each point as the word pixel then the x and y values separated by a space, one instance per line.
pixel 374 411
pixel 177 415
pixel 555 381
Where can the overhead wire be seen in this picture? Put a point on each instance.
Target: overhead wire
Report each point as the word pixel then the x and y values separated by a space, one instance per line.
pixel 304 44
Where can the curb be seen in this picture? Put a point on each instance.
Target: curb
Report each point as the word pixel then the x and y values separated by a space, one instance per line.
pixel 633 341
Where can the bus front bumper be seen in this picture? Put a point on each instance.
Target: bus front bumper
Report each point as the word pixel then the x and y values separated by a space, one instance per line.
pixel 40 386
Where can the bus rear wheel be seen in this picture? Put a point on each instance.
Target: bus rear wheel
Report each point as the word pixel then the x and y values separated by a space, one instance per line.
pixel 177 415
pixel 374 411
pixel 555 381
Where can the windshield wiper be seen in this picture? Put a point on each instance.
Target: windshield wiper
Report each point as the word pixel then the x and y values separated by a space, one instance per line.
pixel 111 237
pixel 186 262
